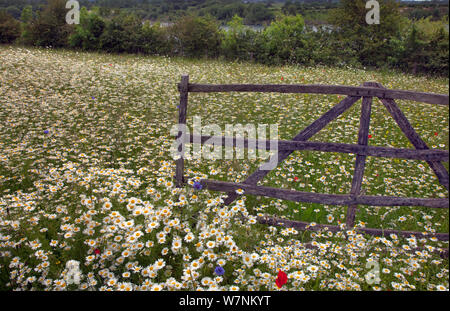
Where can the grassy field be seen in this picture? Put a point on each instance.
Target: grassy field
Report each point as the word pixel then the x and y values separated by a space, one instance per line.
pixel 86 175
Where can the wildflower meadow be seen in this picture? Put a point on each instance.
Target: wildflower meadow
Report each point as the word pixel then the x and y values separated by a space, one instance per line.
pixel 88 199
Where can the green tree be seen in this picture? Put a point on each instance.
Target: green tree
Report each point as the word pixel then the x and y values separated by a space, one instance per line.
pixel 194 36
pixel 438 48
pixel 87 34
pixel 121 34
pixel 154 39
pixel 322 47
pixel 370 42
pixel 26 18
pixel 9 28
pixel 285 39
pixel 427 47
pixel 239 41
pixel 414 51
pixel 50 27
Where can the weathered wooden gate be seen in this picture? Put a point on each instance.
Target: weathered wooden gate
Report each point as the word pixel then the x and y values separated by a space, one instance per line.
pixel 434 157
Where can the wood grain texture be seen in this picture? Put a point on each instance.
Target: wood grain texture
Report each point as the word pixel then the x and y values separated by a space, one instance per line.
pixel 301 225
pixel 437 99
pixel 182 113
pixel 360 162
pixel 288 145
pixel 322 198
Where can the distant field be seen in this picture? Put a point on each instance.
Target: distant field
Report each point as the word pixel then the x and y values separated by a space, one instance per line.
pixel 86 175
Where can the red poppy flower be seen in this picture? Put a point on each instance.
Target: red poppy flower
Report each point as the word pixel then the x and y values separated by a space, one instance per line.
pixel 281 279
pixel 295 178
pixel 370 136
pixel 435 133
pixel 97 251
pixel 282 78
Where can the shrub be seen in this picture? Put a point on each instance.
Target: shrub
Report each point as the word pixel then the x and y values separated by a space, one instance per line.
pixel 87 34
pixel 121 34
pixel 325 48
pixel 372 43
pixel 285 40
pixel 426 48
pixel 154 40
pixel 195 37
pixel 239 41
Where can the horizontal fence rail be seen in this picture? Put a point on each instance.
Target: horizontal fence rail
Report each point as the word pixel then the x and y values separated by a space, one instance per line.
pixel 302 225
pixel 385 152
pixel 322 198
pixel 284 148
pixel 437 99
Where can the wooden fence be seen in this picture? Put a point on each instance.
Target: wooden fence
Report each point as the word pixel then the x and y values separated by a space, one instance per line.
pixel 367 91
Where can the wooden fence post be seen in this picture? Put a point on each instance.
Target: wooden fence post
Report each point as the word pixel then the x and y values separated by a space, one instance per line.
pixel 182 111
pixel 360 162
pixel 360 159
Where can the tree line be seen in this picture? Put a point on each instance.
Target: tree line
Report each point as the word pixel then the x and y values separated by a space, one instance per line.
pixel 169 10
pixel 416 46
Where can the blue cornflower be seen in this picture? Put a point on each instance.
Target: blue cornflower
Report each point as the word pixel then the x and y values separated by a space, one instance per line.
pixel 219 270
pixel 197 185
pixel 46 132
